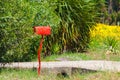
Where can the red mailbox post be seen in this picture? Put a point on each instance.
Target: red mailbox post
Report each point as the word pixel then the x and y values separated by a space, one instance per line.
pixel 43 31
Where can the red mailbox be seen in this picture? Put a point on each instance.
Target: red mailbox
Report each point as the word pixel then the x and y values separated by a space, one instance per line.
pixel 43 31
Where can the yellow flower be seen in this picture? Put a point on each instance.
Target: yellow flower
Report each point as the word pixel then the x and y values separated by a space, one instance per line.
pixel 103 31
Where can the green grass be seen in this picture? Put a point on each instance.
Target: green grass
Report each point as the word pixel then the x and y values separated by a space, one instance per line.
pixel 26 74
pixel 91 55
pixel 69 56
pixel 14 74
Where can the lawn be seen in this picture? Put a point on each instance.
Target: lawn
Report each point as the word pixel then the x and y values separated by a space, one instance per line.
pixel 26 74
pixel 92 55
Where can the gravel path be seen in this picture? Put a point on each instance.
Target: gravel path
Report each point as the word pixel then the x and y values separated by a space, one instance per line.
pixel 90 65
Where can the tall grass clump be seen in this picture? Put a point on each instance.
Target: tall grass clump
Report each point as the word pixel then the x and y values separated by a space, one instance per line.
pixel 76 19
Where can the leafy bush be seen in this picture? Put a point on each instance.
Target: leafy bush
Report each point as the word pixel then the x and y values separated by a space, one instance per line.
pixel 15 29
pixel 17 42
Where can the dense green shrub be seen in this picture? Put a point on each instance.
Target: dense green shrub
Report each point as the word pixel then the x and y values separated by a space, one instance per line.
pixel 17 41
pixel 15 29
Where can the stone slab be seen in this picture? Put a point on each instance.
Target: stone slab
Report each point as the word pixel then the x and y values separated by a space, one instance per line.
pixel 68 66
